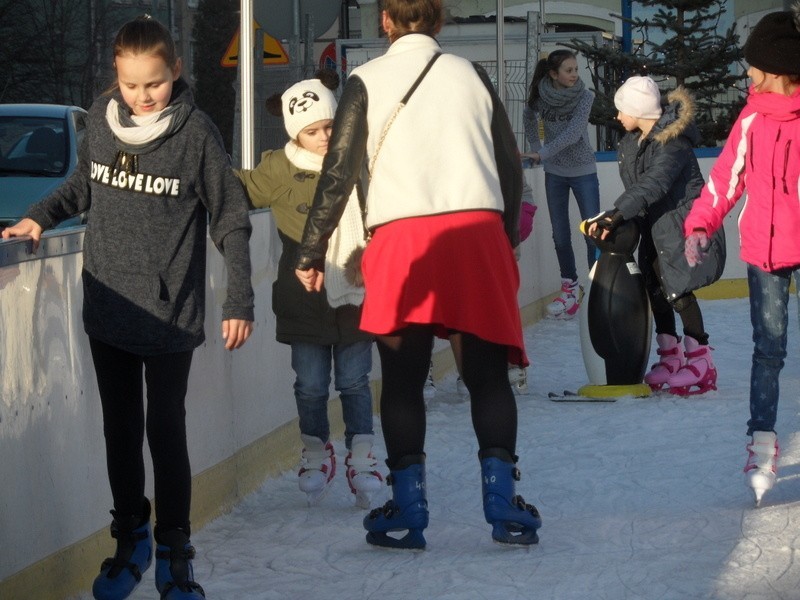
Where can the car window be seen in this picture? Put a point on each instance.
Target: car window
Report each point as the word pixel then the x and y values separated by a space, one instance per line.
pixel 79 120
pixel 35 146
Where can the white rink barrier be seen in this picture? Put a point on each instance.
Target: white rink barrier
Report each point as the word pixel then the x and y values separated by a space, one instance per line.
pixel 241 415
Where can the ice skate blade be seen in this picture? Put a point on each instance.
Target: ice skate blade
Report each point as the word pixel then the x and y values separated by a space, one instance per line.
pixel 364 486
pixel 513 534
pixel 760 483
pixel 315 497
pixel 562 316
pixel 687 391
pixel 364 500
pixel 172 592
pixel 413 540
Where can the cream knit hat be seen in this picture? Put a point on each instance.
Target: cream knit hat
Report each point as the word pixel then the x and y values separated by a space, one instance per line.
pixel 639 97
pixel 304 103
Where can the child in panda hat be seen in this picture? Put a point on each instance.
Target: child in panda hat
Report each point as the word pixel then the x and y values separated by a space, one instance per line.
pixel 320 328
pixel 762 158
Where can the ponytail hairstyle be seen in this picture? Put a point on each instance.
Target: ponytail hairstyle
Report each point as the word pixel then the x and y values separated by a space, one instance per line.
pixel 145 35
pixel 542 70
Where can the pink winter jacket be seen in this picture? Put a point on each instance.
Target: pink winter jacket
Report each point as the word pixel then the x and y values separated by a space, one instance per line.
pixel 762 157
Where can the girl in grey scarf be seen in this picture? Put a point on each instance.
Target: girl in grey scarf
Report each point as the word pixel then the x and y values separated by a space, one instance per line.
pixel 560 101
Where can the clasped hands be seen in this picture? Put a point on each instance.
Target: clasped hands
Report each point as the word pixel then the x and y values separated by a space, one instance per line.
pixel 695 248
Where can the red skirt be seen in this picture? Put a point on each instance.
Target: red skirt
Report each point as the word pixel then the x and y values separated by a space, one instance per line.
pixel 456 271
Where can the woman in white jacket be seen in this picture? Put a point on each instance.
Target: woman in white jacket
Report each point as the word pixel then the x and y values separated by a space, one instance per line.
pixel 443 208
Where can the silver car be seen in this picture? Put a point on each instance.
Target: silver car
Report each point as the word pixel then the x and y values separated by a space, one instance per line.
pixel 38 152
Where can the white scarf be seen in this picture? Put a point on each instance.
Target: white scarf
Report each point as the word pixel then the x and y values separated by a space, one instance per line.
pixel 148 128
pixel 347 236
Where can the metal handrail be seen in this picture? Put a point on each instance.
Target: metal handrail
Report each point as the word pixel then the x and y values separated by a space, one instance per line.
pixel 57 242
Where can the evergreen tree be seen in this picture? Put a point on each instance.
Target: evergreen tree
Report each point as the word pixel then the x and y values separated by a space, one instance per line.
pixel 215 24
pixel 692 52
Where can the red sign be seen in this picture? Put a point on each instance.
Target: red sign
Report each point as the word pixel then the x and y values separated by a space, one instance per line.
pixel 327 59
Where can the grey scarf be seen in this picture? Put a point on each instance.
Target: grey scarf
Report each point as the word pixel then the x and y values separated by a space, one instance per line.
pixel 561 101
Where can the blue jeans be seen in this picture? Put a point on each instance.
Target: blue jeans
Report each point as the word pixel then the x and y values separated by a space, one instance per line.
pixel 769 314
pixel 586 189
pixel 351 365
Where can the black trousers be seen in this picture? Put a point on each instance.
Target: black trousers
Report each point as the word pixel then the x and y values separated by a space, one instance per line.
pixel 405 358
pixel 125 421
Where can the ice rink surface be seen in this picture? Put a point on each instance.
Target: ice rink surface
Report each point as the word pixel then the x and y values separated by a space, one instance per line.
pixel 640 499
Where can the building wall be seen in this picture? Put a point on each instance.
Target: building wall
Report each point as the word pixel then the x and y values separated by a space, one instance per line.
pixel 595 13
pixel 750 12
pixel 743 8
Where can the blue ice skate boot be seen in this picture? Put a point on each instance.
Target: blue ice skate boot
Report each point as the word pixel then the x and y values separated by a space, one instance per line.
pixel 512 520
pixel 406 511
pixel 174 573
pixel 120 574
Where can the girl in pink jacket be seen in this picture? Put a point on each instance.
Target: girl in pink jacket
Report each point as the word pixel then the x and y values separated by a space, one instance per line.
pixel 762 157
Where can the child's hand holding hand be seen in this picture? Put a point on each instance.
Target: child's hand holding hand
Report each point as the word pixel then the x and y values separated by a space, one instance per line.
pixel 311 279
pixel 696 247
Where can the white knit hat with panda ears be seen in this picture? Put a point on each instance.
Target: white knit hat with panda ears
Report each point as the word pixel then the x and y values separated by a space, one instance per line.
pixel 304 103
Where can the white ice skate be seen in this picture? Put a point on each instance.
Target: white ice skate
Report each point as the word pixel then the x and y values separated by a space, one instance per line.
pixel 761 467
pixel 518 378
pixel 429 391
pixel 566 304
pixel 317 468
pixel 362 474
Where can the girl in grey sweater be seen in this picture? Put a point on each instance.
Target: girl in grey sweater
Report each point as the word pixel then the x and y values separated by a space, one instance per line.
pixel 154 176
pixel 559 100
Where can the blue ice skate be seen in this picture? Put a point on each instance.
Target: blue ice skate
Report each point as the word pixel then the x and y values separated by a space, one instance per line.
pixel 406 511
pixel 512 520
pixel 120 574
pixel 174 573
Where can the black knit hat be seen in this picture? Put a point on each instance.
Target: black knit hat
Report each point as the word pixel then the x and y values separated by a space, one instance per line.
pixel 774 43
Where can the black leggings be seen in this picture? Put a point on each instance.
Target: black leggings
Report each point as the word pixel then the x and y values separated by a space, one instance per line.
pixel 405 358
pixel 119 379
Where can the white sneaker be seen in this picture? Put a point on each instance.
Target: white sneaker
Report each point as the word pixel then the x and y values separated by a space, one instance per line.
pixel 362 476
pixel 518 378
pixel 429 391
pixel 566 304
pixel 317 468
pixel 761 467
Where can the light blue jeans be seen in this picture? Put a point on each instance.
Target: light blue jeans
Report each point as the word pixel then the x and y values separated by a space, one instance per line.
pixel 769 314
pixel 351 366
pixel 586 189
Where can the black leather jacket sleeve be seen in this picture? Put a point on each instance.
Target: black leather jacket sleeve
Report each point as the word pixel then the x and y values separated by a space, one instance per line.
pixel 509 165
pixel 341 169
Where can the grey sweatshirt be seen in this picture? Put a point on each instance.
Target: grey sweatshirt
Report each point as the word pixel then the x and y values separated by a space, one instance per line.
pixel 144 270
pixel 566 150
